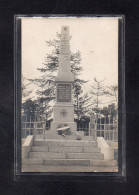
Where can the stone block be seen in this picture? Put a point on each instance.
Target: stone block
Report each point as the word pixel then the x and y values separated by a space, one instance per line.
pixel 80 162
pixel 66 149
pixel 27 146
pixel 105 163
pixel 113 144
pixel 57 143
pixel 58 117
pixel 78 143
pixel 67 169
pixel 49 155
pixel 92 149
pixel 32 161
pixel 23 140
pixel 39 149
pixel 105 148
pixel 96 156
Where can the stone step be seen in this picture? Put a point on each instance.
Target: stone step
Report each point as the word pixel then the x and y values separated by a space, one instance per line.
pixel 32 161
pixel 53 155
pixel 64 149
pixel 105 163
pixel 91 150
pixel 60 137
pixel 66 168
pixel 56 143
pixel 95 156
pixel 39 149
pixel 49 155
pixel 80 162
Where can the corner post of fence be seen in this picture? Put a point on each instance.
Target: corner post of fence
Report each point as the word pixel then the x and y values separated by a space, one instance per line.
pixel 44 130
pixel 30 125
pixel 89 129
pixel 104 127
pixel 92 127
pixel 35 129
pixel 100 128
pixel 26 126
pixel 113 129
pixel 109 127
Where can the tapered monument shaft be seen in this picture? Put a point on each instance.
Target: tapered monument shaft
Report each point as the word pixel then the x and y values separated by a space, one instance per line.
pixel 63 111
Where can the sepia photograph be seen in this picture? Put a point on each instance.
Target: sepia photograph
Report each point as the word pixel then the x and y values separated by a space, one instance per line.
pixel 69 94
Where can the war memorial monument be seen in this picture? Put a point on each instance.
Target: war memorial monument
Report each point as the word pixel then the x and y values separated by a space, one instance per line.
pixel 64 149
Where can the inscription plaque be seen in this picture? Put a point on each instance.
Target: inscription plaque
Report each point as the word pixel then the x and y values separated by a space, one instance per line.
pixel 64 92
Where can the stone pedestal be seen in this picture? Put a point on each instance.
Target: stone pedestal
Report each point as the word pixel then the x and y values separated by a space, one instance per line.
pixel 63 112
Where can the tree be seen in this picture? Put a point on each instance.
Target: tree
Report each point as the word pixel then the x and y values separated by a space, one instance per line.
pixel 110 111
pixel 82 106
pixel 112 92
pixel 25 92
pixel 46 84
pixel 97 91
pixel 29 108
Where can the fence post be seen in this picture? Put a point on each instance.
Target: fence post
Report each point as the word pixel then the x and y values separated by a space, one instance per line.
pixel 112 127
pixel 92 127
pixel 104 127
pixel 43 124
pixel 100 128
pixel 29 124
pixel 109 128
pixel 35 129
pixel 26 126
pixel 89 129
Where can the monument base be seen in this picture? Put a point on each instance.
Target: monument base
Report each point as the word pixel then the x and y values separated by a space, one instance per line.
pixel 72 125
pixel 63 112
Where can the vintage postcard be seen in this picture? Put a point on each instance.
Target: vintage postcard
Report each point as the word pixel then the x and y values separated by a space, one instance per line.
pixel 69 89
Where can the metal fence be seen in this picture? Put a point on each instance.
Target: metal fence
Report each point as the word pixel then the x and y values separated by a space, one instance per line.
pixel 107 129
pixel 100 128
pixel 33 126
pixel 83 127
pixel 96 128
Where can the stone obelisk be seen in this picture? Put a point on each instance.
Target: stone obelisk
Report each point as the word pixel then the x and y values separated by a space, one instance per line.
pixel 63 111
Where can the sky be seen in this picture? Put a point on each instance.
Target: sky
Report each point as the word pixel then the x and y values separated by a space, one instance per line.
pixel 95 37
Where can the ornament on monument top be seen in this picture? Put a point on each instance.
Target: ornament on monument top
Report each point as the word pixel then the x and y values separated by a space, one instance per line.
pixel 64 68
pixel 65 33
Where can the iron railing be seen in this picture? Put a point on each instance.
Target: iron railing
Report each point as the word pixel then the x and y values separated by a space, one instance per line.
pixel 37 127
